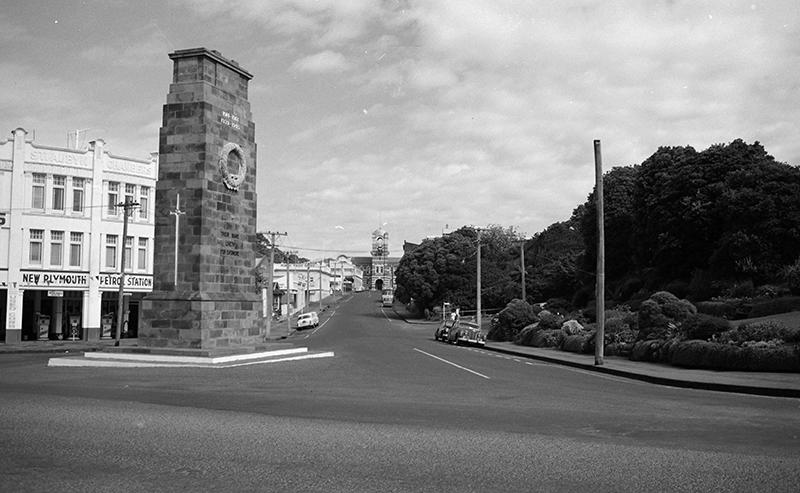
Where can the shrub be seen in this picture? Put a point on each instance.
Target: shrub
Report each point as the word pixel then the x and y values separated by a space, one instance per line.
pixel 706 355
pixel 743 289
pixel 664 297
pixel 525 336
pixel 774 306
pixel 618 349
pixel 792 275
pixel 701 326
pixel 510 320
pixel 650 318
pixel 647 350
pixel 763 331
pixel 547 338
pixel 620 327
pixel 579 343
pixel 549 320
pixel 571 327
pixel 661 315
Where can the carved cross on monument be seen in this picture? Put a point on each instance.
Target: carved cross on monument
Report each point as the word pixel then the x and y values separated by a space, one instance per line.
pixel 177 213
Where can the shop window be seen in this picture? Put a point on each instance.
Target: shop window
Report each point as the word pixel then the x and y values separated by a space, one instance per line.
pixel 75 249
pixel 37 195
pixel 59 183
pixel 56 248
pixel 111 251
pixel 142 257
pixel 144 198
pixel 35 256
pixel 78 185
pixel 128 252
pixel 113 198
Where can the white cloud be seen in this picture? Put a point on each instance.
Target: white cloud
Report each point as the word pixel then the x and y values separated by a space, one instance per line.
pixel 320 63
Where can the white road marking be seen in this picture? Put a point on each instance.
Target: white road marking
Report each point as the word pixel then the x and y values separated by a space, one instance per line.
pixel 451 363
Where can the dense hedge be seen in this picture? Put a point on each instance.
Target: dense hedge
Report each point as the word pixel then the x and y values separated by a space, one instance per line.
pixel 716 356
pixel 774 306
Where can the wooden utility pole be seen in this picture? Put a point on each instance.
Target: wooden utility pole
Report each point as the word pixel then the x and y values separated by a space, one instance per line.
pixel 308 285
pixel 522 267
pixel 601 258
pixel 288 296
pixel 121 301
pixel 478 294
pixel 269 277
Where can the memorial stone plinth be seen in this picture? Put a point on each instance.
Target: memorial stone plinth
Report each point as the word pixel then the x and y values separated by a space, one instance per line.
pixel 204 294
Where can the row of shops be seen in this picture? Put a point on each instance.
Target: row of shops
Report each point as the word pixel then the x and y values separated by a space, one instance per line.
pixel 59 315
pixel 56 307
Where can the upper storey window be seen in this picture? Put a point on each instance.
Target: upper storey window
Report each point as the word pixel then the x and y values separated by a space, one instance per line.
pixel 37 193
pixel 78 185
pixel 59 182
pixel 113 198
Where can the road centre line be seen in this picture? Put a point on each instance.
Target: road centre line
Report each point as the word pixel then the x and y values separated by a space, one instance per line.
pixel 451 363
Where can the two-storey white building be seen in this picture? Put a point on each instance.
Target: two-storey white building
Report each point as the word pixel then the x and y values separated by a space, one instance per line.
pixel 61 228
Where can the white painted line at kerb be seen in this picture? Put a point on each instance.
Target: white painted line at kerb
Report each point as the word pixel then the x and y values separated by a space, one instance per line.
pixel 451 363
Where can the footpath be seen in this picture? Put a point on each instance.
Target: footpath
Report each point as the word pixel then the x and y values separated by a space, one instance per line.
pixel 756 383
pixel 279 331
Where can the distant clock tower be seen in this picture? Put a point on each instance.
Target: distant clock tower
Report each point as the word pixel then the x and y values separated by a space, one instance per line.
pixel 382 272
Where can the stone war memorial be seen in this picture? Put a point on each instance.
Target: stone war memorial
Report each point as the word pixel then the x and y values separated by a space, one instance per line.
pixel 204 295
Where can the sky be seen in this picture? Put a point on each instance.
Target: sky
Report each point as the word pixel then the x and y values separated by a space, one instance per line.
pixel 418 116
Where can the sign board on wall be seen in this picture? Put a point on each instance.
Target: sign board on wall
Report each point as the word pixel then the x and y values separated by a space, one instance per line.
pixel 54 279
pixel 133 282
pixel 57 280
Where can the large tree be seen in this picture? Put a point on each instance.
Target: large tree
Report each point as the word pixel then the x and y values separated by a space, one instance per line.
pixel 445 269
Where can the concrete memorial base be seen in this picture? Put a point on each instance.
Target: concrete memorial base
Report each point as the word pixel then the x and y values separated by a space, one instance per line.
pixel 141 357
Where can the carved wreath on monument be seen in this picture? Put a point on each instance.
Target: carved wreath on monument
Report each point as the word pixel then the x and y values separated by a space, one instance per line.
pixel 232 165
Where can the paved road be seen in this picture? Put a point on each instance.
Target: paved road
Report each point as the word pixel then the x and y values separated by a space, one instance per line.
pixel 393 411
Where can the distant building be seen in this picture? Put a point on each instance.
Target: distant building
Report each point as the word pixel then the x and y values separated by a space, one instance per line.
pixel 61 239
pixel 379 268
pixel 296 286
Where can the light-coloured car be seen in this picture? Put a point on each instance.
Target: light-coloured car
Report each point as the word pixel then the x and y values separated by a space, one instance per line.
pixel 309 319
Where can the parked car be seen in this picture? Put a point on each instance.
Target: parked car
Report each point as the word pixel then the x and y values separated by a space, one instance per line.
pixel 467 333
pixel 443 330
pixel 309 319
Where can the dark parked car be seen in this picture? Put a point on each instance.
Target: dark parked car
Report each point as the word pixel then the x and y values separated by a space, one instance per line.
pixel 443 330
pixel 459 332
pixel 467 333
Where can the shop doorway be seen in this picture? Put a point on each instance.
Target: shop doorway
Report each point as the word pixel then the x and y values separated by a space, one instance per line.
pixel 52 315
pixel 108 316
